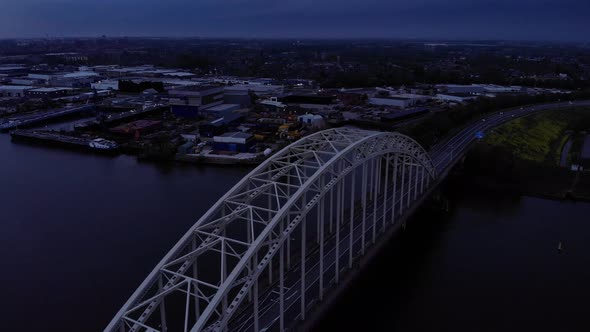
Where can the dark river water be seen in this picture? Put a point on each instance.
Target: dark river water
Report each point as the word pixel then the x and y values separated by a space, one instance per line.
pixel 79 232
pixel 491 263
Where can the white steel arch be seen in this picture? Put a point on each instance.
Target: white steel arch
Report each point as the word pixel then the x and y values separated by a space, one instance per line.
pixel 202 283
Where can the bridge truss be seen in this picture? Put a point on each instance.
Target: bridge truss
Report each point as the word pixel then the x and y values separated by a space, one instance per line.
pixel 271 246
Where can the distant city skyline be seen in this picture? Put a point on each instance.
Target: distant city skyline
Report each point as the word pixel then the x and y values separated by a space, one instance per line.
pixel 555 20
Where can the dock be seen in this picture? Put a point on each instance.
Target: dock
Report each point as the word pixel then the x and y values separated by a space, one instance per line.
pixel 120 117
pixel 54 138
pixel 49 136
pixel 31 119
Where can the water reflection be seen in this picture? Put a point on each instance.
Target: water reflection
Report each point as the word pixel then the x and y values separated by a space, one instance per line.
pixel 491 263
pixel 79 232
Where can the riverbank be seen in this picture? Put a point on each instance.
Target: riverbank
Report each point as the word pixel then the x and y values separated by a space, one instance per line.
pixel 531 156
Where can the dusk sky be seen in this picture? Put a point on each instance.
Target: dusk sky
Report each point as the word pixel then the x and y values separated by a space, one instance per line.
pixel 454 19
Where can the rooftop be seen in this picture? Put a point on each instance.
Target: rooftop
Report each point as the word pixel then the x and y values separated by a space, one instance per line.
pixel 49 89
pixel 179 74
pixel 223 107
pixel 197 88
pixel 14 87
pixel 81 74
pixel 236 134
pixel 9 68
pixel 393 98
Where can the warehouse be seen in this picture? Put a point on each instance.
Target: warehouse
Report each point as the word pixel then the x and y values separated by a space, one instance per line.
pixel 219 126
pixel 459 98
pixel 14 90
pixel 105 85
pixel 258 89
pixel 312 120
pixel 189 101
pixel 461 88
pixel 48 92
pixel 218 111
pixel 399 102
pixel 233 141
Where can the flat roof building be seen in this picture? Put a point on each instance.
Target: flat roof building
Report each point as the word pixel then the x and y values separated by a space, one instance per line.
pixel 400 102
pixel 48 92
pixel 234 141
pixel 220 110
pixel 455 98
pixel 14 90
pixel 460 88
pixel 189 101
pixel 258 89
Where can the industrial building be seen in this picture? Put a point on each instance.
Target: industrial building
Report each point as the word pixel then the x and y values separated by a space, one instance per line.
pixel 105 85
pixel 46 77
pixel 218 111
pixel 234 142
pixel 273 104
pixel 258 89
pixel 460 88
pixel 14 91
pixel 219 126
pixel 400 102
pixel 237 97
pixel 48 92
pixel 455 98
pixel 498 89
pixel 73 79
pixel 478 89
pixel 312 120
pixel 77 79
pixel 189 101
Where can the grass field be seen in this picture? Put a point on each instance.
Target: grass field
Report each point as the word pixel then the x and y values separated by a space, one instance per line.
pixel 540 137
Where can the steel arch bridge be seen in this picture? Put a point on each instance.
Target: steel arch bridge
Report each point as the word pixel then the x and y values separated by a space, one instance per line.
pixel 271 246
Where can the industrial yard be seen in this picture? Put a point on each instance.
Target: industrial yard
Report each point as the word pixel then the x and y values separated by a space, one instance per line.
pixel 163 113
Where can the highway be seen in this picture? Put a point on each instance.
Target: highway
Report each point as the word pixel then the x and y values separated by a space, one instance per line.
pixel 444 153
pixel 443 156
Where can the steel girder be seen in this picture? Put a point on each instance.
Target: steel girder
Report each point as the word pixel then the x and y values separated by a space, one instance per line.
pixel 215 266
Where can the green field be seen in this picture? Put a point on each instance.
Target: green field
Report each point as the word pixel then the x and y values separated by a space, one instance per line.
pixel 540 137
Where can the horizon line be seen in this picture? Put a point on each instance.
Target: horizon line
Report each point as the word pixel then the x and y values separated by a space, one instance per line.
pixel 367 38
